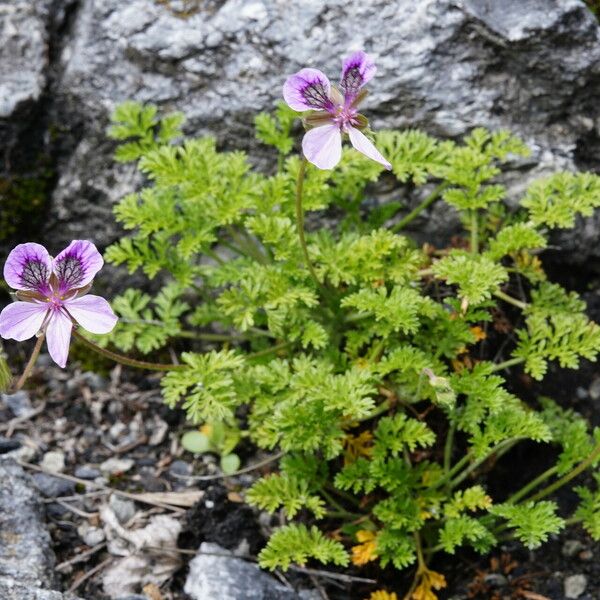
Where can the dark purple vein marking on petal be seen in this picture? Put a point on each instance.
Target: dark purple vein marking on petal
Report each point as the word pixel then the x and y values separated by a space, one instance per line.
pixel 352 80
pixel 35 274
pixel 70 272
pixel 315 95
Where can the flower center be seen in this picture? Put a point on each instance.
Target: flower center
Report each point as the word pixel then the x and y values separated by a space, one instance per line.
pixel 55 300
pixel 345 117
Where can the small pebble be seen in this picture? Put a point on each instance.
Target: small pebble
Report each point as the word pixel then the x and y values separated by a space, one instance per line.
pixel 594 389
pixel 575 586
pixel 124 509
pixel 496 580
pixel 96 382
pixel 91 536
pixel 18 403
pixel 180 467
pixel 87 472
pixel 586 555
pixel 112 466
pixel 53 461
pixel 571 548
pixel 52 487
pixel 8 445
pixel 117 430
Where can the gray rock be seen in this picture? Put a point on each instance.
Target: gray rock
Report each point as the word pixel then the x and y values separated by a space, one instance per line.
pixel 226 577
pixel 87 472
pixel 594 390
pixel 16 590
pixel 52 487
pixel 571 548
pixel 8 445
pixel 54 461
pixel 112 466
pixel 123 509
pixel 496 579
pixel 25 548
pixel 18 403
pixel 443 65
pixel 90 535
pixel 179 468
pixel 575 586
pixel 23 53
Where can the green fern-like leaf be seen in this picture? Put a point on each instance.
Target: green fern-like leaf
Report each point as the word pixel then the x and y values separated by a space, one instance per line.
pixel 476 276
pixel 558 199
pixel 273 491
pixel 207 388
pixel 533 522
pixel 297 544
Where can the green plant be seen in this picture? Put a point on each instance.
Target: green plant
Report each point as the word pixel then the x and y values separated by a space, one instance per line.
pixel 216 437
pixel 368 361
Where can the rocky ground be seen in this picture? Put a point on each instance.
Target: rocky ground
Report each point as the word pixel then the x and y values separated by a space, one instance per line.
pixel 99 501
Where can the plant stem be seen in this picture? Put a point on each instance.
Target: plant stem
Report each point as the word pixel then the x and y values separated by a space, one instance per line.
pixel 518 303
pixel 210 337
pixel 419 549
pixel 474 231
pixel 448 446
pixel 480 461
pixel 214 256
pixel 452 472
pixel 125 360
pixel 415 212
pixel 508 363
pixel 30 363
pixel 246 245
pixel 300 220
pixel 270 350
pixel 382 408
pixel 531 485
pixel 582 466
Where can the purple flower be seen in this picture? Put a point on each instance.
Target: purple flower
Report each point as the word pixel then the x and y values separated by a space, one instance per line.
pixel 333 113
pixel 51 298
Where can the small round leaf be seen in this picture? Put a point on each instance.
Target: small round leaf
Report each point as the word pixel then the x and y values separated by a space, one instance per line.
pixel 230 463
pixel 196 442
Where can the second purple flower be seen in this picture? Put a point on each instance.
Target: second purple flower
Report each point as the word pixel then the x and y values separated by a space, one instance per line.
pixel 335 112
pixel 51 295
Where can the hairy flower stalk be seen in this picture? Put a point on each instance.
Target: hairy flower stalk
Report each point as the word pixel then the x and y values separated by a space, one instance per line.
pixel 51 296
pixel 333 112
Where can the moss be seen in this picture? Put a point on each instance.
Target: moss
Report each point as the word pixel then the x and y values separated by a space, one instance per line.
pixel 594 6
pixel 23 199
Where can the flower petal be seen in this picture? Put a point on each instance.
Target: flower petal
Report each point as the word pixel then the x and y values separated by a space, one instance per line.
pixel 93 313
pixel 22 320
pixel 58 337
pixel 28 267
pixel 308 89
pixel 77 265
pixel 360 141
pixel 322 146
pixel 357 70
